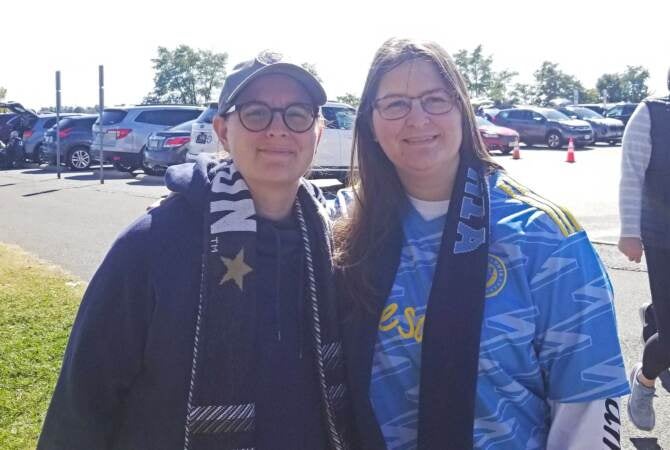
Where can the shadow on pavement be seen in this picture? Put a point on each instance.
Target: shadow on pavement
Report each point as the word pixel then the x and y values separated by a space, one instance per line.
pixel 646 443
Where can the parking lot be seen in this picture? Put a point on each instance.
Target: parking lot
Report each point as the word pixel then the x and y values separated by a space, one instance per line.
pixel 72 221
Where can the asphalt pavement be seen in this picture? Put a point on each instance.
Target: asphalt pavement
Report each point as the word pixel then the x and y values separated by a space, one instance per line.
pixel 72 221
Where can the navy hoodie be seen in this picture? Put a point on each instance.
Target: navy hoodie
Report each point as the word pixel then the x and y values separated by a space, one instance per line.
pixel 125 374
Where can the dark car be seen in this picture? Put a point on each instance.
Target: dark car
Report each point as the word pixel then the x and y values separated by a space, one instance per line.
pixel 605 129
pixel 32 127
pixel 621 111
pixel 166 148
pixel 496 137
pixel 545 126
pixel 600 108
pixel 75 142
pixel 6 126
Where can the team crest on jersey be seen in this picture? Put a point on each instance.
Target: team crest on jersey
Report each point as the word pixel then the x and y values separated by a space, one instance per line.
pixel 496 276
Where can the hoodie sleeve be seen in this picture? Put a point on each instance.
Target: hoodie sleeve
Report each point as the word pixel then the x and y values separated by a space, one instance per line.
pixel 104 353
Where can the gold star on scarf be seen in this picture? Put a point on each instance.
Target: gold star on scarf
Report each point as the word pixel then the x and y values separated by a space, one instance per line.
pixel 236 269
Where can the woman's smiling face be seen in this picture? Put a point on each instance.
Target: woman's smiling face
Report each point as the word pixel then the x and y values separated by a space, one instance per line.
pixel 420 144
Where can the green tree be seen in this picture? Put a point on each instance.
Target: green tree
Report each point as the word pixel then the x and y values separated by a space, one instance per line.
pixel 499 91
pixel 349 99
pixel 551 83
pixel 522 94
pixel 613 84
pixel 634 83
pixel 476 70
pixel 186 75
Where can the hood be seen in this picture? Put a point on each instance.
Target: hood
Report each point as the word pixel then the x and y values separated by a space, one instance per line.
pixel 192 180
pixel 495 129
pixel 574 123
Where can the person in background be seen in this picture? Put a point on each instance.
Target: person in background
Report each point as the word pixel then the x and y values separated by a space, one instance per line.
pixel 644 208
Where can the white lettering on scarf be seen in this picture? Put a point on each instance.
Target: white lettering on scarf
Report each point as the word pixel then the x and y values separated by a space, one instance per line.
pixel 470 238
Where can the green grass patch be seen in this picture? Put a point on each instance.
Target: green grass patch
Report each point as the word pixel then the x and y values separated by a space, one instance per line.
pixel 38 303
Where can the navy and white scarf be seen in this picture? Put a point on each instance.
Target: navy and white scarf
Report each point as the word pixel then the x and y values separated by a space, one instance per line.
pixel 451 335
pixel 221 397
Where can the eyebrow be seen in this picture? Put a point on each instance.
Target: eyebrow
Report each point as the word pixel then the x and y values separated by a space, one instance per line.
pixel 430 91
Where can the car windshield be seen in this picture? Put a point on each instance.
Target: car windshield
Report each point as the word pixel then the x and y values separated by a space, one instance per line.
pixel 482 122
pixel 582 113
pixel 552 114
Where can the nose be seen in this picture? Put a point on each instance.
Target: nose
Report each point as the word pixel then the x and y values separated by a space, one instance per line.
pixel 277 126
pixel 417 117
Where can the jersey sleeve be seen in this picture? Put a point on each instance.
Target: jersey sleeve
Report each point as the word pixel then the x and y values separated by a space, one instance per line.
pixel 576 341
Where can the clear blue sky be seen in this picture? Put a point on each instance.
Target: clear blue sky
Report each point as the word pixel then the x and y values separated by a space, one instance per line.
pixel 586 38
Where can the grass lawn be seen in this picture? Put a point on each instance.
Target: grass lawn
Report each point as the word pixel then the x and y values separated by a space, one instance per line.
pixel 38 303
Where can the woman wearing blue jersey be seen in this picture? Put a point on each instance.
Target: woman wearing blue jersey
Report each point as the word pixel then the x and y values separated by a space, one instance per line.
pixel 478 314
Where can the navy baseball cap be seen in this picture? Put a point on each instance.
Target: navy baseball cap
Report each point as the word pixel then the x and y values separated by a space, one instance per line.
pixel 265 64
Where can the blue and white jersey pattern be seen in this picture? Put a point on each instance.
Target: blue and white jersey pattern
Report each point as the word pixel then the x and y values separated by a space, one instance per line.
pixel 549 331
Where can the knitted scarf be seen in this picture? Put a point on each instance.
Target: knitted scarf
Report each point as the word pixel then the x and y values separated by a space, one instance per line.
pixel 221 396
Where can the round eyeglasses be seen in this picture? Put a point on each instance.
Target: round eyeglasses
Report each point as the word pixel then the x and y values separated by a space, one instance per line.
pixel 437 102
pixel 257 116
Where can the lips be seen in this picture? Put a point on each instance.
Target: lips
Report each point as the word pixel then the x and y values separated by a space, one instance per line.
pixel 416 140
pixel 276 151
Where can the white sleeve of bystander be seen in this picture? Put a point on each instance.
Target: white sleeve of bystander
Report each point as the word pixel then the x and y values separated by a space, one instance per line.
pixel 585 426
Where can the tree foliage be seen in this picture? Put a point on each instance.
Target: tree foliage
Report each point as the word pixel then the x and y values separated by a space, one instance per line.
pixel 552 83
pixel 186 75
pixel 629 85
pixel 480 78
pixel 349 99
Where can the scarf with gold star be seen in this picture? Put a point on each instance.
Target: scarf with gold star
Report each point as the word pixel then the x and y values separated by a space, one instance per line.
pixel 221 398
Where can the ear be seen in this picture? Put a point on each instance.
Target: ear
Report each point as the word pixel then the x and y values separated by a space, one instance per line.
pixel 220 126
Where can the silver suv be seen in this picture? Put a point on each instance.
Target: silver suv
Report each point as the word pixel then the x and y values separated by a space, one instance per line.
pixel 125 131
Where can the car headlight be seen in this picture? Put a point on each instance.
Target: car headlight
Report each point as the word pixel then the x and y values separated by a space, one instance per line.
pixel 490 135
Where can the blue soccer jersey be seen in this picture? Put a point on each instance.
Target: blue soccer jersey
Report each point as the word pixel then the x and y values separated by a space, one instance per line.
pixel 548 332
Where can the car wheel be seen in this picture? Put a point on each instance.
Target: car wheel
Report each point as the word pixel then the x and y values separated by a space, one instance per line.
pixel 553 140
pixel 615 142
pixel 79 158
pixel 506 150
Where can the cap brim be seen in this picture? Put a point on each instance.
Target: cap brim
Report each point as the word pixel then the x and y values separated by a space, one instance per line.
pixel 306 79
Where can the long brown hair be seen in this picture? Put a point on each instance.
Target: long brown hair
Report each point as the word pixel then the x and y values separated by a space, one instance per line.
pixel 378 192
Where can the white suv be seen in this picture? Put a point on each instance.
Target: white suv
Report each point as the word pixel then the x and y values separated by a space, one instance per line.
pixel 203 138
pixel 333 155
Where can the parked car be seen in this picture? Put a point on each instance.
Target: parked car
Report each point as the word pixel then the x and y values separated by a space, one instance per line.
pixel 203 137
pixel 496 137
pixel 32 127
pixel 125 130
pixel 75 135
pixel 166 148
pixel 545 126
pixel 333 155
pixel 600 108
pixel 621 111
pixel 604 129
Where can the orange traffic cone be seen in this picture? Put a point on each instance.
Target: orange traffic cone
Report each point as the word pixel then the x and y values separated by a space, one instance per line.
pixel 516 153
pixel 571 152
